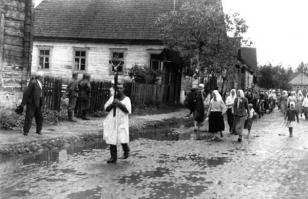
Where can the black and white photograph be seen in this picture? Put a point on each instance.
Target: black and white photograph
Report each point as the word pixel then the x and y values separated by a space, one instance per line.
pixel 153 99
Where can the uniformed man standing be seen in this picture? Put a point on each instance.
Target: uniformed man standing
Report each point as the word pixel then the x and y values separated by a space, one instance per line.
pixel 85 95
pixel 72 94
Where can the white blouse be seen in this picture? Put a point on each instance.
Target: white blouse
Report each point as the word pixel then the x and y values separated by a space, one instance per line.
pixel 218 106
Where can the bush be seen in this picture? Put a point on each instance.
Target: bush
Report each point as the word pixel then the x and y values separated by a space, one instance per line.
pixel 9 120
pixel 143 74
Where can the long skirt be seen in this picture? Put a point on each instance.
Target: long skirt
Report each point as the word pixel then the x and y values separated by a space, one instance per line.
pixel 216 122
pixel 306 112
pixel 239 122
pixel 248 123
pixel 230 118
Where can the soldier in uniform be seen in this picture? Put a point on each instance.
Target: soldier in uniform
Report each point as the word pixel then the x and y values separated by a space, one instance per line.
pixel 72 94
pixel 85 95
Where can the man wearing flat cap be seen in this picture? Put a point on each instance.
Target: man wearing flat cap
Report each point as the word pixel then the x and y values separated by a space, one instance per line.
pixel 33 99
pixel 116 127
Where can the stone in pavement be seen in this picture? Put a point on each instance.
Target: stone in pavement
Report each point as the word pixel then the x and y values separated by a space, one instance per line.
pixel 265 166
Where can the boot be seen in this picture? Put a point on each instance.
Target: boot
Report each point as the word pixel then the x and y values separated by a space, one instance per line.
pixel 113 153
pixel 126 151
pixel 71 116
pixel 221 134
pixel 84 115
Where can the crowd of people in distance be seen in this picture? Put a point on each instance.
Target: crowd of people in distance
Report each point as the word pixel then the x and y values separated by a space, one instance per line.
pixel 240 108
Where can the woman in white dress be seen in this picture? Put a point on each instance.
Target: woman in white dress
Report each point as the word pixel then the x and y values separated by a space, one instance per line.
pixel 116 127
pixel 229 103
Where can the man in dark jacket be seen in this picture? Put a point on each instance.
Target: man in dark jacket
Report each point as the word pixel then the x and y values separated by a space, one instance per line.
pixel 72 94
pixel 33 99
pixel 85 95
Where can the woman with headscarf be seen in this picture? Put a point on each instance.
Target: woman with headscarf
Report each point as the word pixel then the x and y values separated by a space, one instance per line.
pixel 195 104
pixel 305 106
pixel 299 103
pixel 216 110
pixel 241 111
pixel 284 102
pixel 229 103
pixel 292 98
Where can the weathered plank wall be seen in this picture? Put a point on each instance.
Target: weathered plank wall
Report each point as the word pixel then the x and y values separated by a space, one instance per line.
pixel 15 49
pixel 15 41
pixel 98 56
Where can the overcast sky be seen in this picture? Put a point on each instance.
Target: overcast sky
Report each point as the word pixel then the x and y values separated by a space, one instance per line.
pixel 278 28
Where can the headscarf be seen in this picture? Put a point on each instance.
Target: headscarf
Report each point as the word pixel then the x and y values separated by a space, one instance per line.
pixel 292 103
pixel 284 93
pixel 242 95
pixel 234 93
pixel 230 99
pixel 300 93
pixel 218 96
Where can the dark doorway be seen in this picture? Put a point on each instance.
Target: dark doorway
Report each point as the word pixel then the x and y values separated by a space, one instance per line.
pixel 172 83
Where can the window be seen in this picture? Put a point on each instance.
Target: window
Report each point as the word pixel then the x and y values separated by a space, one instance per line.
pixel 117 60
pixel 80 60
pixel 44 58
pixel 155 63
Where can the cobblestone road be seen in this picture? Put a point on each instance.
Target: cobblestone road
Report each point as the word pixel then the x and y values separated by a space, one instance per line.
pixel 268 165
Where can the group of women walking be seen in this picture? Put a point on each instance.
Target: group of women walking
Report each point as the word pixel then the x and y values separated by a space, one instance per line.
pixel 285 98
pixel 213 107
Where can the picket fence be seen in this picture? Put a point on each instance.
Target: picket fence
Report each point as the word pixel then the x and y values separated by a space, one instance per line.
pixel 140 94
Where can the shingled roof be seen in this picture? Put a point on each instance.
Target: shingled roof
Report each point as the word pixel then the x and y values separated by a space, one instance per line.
pixel 101 19
pixel 300 79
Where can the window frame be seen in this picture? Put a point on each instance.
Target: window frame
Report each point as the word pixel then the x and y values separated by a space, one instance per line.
pixel 76 49
pixel 159 62
pixel 44 48
pixel 118 50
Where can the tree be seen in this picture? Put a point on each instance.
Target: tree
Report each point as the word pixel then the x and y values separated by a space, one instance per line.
pixel 302 68
pixel 274 77
pixel 198 30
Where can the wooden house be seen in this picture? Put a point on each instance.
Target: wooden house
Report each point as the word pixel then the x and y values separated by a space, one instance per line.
pixel 300 82
pixel 86 35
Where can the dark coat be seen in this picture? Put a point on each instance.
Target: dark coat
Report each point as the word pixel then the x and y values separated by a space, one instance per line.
pixel 85 89
pixel 33 94
pixel 242 109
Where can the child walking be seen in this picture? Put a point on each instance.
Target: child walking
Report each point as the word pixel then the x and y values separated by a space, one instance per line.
pixel 249 120
pixel 290 117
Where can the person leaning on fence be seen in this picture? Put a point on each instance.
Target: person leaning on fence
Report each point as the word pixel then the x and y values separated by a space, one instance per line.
pixel 33 99
pixel 85 95
pixel 72 94
pixel 116 127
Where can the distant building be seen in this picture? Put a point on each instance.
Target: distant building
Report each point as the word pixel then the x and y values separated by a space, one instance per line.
pixel 85 36
pixel 244 71
pixel 299 82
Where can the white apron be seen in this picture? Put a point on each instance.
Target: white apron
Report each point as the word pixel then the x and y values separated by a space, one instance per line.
pixel 116 129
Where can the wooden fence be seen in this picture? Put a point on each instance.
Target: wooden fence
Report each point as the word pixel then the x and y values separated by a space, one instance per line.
pixel 140 94
pixel 146 94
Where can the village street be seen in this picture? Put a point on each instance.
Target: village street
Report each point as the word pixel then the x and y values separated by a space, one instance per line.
pixel 171 164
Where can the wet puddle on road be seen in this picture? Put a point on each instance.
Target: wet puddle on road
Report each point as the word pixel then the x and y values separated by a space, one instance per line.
pixel 159 188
